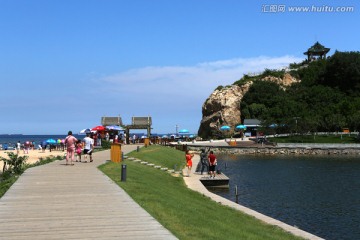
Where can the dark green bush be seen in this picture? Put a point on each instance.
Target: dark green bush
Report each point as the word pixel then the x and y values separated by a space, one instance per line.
pixel 105 144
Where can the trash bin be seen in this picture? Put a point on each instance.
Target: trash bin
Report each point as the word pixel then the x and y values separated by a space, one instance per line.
pixel 146 142
pixel 115 152
pixel 232 143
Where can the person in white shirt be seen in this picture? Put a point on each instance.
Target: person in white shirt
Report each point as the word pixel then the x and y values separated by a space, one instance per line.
pixel 18 147
pixel 88 147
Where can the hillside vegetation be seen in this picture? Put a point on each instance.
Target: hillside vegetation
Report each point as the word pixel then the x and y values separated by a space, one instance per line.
pixel 326 99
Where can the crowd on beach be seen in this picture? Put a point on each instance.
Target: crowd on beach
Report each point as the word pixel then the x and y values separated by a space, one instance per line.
pixel 84 148
pixel 25 146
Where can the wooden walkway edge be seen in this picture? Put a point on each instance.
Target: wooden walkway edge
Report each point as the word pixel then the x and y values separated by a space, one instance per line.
pixel 55 201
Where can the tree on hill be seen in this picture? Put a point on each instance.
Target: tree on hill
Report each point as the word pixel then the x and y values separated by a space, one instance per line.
pixel 311 74
pixel 327 99
pixel 343 72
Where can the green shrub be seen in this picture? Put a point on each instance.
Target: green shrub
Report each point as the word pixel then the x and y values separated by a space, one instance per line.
pixel 219 88
pixel 105 144
pixel 14 164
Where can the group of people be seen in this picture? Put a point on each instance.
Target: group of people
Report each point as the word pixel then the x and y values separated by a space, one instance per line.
pixel 207 161
pixel 116 138
pixel 26 146
pixel 85 146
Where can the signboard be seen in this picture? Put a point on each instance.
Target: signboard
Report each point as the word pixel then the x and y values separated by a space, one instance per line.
pixel 346 130
pixel 141 121
pixel 108 121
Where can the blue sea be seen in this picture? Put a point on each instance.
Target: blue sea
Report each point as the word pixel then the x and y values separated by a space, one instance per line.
pixel 11 140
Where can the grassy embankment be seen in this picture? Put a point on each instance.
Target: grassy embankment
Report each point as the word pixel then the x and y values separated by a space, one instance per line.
pixel 186 213
pixel 338 139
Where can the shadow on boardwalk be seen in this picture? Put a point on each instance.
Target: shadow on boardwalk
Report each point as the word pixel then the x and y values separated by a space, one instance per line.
pixel 55 201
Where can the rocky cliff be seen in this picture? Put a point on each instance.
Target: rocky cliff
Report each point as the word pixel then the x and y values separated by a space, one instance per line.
pixel 223 106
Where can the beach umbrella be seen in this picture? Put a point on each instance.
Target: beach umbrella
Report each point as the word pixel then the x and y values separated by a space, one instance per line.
pixel 274 125
pixel 51 141
pixel 115 128
pixel 84 131
pixel 224 128
pixel 241 127
pixel 98 128
pixel 164 136
pixel 184 131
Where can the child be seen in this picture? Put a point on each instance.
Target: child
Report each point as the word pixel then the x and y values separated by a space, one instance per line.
pixel 78 150
pixel 188 158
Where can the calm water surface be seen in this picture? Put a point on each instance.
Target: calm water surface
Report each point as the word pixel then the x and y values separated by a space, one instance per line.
pixel 320 195
pixel 11 140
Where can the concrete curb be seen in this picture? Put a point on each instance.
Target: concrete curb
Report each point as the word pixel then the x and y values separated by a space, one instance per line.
pixel 193 182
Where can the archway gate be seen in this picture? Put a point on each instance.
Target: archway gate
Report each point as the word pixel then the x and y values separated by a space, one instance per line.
pixel 138 123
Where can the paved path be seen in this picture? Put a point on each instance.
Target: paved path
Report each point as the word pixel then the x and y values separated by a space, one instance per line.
pixel 55 201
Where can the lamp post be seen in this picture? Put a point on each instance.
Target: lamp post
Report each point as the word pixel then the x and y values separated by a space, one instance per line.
pixel 296 121
pixel 176 129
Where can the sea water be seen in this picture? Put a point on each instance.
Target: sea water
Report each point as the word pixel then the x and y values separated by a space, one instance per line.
pixel 11 140
pixel 318 194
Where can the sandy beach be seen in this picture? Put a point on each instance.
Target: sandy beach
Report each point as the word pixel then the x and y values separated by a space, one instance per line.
pixel 33 155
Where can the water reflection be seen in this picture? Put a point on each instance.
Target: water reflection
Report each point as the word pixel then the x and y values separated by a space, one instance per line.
pixel 319 194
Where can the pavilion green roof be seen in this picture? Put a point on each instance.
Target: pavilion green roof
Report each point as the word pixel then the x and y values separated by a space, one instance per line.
pixel 317 48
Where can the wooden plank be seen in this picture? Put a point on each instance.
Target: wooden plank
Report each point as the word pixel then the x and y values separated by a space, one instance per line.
pixel 220 181
pixel 107 121
pixel 55 201
pixel 141 121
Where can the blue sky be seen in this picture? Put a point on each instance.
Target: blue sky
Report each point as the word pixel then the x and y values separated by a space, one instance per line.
pixel 65 64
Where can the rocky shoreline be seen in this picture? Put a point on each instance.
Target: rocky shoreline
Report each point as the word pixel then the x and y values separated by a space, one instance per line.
pixel 276 150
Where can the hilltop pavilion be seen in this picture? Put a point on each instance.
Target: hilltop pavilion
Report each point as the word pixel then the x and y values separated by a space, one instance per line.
pixel 317 50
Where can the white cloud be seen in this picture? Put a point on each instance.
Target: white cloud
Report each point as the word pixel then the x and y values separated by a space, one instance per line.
pixel 179 91
pixel 189 80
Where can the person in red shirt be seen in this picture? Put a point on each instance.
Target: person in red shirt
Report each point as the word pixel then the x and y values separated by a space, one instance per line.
pixel 188 157
pixel 212 164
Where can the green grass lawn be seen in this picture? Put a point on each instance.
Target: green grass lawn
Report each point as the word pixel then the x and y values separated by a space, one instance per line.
pixel 6 183
pixel 186 213
pixel 315 139
pixel 163 156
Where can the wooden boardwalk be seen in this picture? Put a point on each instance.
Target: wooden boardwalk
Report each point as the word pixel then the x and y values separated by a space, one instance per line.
pixel 55 201
pixel 220 181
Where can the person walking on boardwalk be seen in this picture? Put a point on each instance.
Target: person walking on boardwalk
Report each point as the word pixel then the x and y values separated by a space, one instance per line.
pixel 88 146
pixel 70 142
pixel 203 163
pixel 188 158
pixel 212 164
pixel 78 150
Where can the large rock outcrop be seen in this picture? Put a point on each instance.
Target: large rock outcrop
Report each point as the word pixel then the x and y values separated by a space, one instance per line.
pixel 223 106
